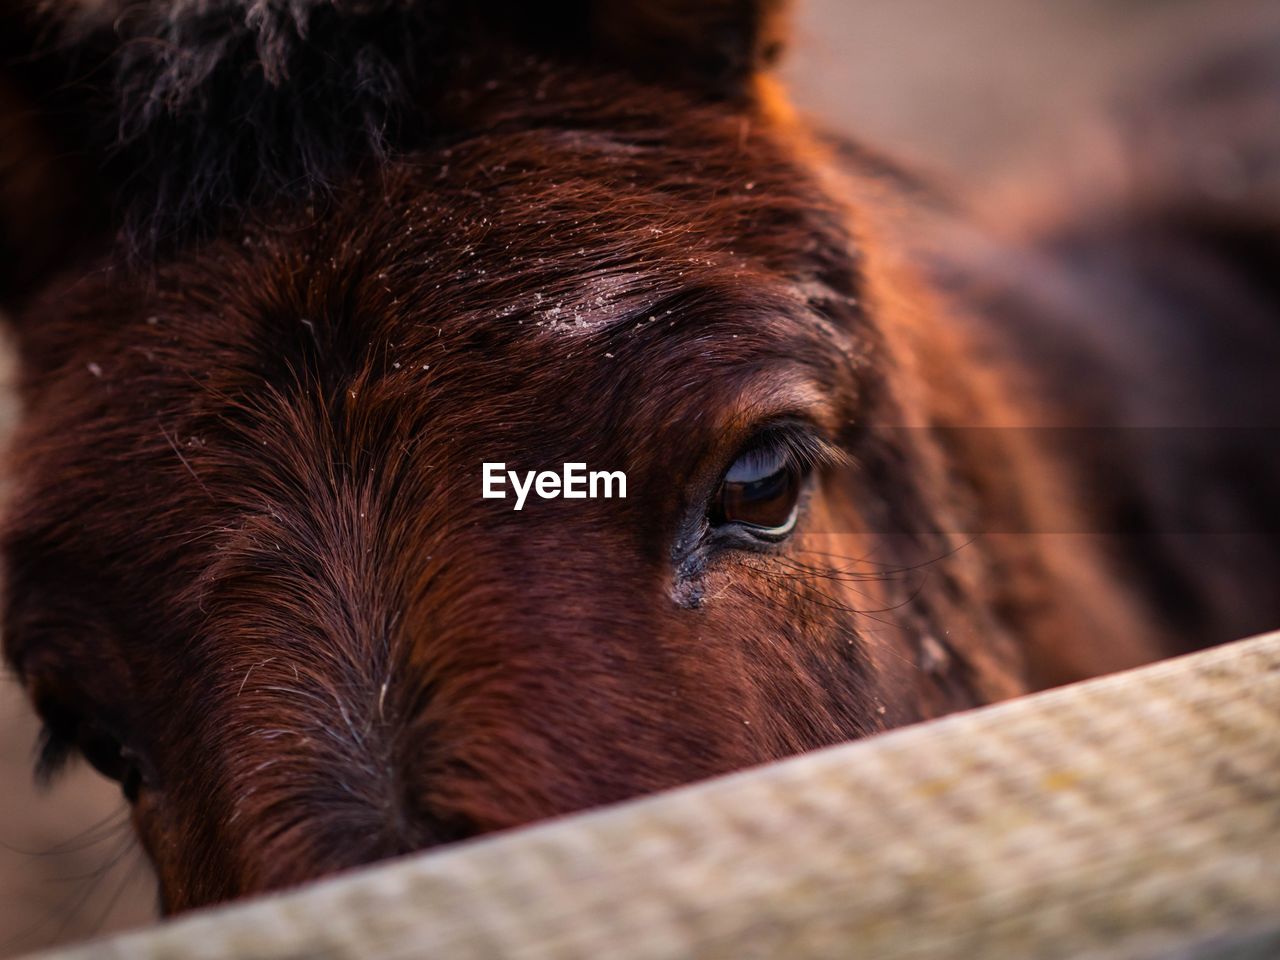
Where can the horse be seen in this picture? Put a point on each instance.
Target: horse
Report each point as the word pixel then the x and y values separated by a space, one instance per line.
pixel 284 278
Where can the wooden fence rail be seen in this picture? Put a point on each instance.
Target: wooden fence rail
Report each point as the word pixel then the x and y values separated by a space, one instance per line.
pixel 1135 816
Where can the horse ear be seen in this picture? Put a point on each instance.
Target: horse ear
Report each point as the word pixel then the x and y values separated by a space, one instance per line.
pixel 718 45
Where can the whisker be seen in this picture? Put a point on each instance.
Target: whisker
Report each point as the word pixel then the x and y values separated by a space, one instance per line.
pixel 93 834
pixel 89 882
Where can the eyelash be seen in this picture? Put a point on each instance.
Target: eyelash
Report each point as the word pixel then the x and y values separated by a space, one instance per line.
pixel 797 447
pixel 54 750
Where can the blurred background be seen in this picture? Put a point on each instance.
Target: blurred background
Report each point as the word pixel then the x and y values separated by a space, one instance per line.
pixel 976 92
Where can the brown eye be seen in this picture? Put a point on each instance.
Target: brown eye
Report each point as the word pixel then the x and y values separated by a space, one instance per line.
pixel 106 755
pixel 65 732
pixel 760 491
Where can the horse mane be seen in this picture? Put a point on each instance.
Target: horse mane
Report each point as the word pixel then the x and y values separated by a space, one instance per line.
pixel 196 108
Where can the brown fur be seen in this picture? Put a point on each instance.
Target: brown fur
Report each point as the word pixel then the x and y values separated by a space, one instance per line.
pixel 248 545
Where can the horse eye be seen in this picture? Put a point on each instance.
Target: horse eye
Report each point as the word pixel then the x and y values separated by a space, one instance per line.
pixel 67 732
pixel 760 492
pixel 109 757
